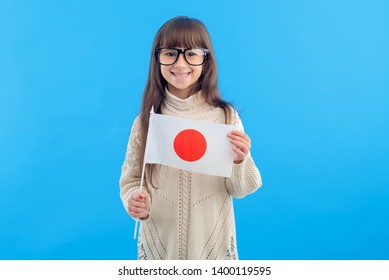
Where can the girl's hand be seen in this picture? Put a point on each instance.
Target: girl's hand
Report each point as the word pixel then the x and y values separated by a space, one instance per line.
pixel 241 145
pixel 139 205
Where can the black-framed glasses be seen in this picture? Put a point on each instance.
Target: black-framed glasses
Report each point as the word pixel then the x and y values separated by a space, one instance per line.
pixel 169 56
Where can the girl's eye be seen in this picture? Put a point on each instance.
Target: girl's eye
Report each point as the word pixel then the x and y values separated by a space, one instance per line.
pixel 195 52
pixel 169 53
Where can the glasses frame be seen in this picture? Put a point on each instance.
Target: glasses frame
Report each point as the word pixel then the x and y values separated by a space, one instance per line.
pixel 181 51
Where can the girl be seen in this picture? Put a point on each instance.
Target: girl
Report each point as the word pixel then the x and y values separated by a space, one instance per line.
pixel 185 215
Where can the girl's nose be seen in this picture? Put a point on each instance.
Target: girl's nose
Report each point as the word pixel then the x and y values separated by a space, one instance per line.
pixel 180 61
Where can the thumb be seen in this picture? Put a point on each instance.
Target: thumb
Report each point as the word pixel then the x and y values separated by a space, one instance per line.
pixel 147 197
pixel 137 196
pixel 144 193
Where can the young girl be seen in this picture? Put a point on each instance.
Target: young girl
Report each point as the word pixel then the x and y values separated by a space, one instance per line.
pixel 185 215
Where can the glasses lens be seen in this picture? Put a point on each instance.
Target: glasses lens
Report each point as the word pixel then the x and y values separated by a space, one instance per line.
pixel 195 56
pixel 168 56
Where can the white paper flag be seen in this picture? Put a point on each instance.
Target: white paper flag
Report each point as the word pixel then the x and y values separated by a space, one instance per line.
pixel 192 145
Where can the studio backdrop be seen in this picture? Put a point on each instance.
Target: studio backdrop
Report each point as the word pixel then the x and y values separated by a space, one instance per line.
pixel 309 79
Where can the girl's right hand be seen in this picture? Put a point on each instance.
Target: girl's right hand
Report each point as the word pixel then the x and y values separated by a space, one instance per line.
pixel 139 205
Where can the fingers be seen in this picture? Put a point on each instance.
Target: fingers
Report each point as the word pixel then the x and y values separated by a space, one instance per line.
pixel 240 137
pixel 138 205
pixel 241 144
pixel 240 154
pixel 138 196
pixel 137 211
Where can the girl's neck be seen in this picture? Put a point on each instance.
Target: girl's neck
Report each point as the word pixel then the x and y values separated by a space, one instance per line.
pixel 175 104
pixel 180 93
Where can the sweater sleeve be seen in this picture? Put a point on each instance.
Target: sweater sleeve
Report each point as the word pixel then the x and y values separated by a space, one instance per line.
pixel 131 169
pixel 245 178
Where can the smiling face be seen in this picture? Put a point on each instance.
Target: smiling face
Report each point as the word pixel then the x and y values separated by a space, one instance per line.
pixel 181 77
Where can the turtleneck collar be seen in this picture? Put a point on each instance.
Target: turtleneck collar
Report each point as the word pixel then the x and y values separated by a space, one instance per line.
pixel 191 104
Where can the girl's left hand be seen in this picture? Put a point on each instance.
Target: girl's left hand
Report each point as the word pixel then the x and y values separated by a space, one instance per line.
pixel 241 145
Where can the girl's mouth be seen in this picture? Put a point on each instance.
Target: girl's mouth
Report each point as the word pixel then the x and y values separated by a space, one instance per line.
pixel 180 75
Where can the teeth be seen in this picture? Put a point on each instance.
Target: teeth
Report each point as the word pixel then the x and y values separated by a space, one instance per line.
pixel 181 74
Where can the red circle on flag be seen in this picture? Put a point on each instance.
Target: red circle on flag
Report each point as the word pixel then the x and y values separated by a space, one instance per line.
pixel 190 145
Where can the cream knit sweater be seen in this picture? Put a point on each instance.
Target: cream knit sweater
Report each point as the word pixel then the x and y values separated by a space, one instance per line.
pixel 192 215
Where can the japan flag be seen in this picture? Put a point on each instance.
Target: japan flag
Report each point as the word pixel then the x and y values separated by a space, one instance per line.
pixel 191 145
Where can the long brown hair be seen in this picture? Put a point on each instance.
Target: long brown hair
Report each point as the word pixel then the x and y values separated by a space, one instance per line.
pixel 182 32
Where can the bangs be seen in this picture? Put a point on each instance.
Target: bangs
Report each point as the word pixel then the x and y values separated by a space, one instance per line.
pixel 184 33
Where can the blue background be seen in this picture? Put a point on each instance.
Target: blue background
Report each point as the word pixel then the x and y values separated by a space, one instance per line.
pixel 310 79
